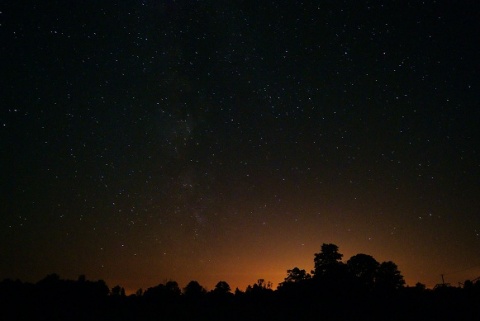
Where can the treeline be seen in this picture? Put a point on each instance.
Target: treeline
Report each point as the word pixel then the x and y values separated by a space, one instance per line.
pixel 359 289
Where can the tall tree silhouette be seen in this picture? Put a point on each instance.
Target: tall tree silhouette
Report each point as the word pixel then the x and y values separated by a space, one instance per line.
pixel 328 261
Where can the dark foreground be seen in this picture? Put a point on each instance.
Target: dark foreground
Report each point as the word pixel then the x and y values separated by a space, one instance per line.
pixel 56 299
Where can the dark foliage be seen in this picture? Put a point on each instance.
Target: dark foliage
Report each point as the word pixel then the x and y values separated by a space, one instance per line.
pixel 361 289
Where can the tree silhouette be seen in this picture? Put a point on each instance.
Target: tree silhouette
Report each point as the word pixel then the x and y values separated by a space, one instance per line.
pixel 296 275
pixel 163 292
pixel 51 280
pixel 194 290
pixel 364 268
pixel 222 287
pixel 388 277
pixel 328 261
pixel 117 291
pixel 173 289
pixel 360 289
pixel 261 287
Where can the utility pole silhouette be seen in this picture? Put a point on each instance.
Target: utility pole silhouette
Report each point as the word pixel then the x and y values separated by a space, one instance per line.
pixel 443 284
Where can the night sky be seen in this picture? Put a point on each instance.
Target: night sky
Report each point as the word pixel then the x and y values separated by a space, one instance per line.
pixel 145 141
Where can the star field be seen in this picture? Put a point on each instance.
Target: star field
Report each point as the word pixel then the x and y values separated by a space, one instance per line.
pixel 202 140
